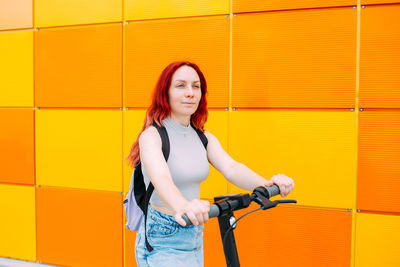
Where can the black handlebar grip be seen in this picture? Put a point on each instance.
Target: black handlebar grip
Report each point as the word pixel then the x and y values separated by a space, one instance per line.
pixel 272 190
pixel 214 212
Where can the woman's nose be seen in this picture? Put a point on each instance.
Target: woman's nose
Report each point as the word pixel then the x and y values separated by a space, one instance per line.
pixel 189 91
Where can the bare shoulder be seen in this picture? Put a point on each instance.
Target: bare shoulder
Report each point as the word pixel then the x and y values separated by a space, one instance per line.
pixel 149 136
pixel 210 136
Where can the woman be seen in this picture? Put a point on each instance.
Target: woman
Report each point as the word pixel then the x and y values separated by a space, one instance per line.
pixel 179 104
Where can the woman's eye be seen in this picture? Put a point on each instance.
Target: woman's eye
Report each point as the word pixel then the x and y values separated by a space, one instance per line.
pixel 196 86
pixel 179 85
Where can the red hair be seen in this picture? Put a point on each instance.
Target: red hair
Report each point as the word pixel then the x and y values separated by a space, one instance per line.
pixel 160 108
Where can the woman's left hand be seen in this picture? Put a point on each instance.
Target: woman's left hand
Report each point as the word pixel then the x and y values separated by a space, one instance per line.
pixel 285 183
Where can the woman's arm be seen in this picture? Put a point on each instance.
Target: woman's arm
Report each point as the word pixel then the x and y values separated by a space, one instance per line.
pixel 239 174
pixel 157 169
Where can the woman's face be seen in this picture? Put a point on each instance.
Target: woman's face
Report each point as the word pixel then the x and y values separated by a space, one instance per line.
pixel 184 92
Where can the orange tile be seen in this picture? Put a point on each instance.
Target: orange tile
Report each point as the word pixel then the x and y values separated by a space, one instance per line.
pixel 77 227
pixel 213 250
pixel 251 5
pixel 152 45
pixel 79 66
pixel 17 146
pixel 380 57
pixel 379 161
pixel 366 2
pixel 129 247
pixel 303 58
pixel 294 237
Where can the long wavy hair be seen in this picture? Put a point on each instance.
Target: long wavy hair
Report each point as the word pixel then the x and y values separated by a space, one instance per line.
pixel 161 109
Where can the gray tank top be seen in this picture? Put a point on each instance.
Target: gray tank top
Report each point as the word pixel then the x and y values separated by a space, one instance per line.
pixel 187 161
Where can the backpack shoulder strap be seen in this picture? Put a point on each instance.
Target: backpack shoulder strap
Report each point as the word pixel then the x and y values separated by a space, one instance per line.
pixel 164 140
pixel 165 147
pixel 202 136
pixel 142 195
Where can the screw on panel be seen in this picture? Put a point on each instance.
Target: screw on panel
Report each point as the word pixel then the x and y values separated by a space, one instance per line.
pixel 226 108
pixel 354 7
pixel 120 108
pixel 233 108
pixel 38 185
pixel 120 23
pixel 127 108
pixel 38 108
pixel 127 22
pixel 352 109
pixel 234 15
pixel 363 6
pixel 37 29
pixel 361 109
pixel 348 209
pixel 358 210
pixel 226 15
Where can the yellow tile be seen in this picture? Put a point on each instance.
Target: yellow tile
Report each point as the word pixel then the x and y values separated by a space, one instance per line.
pixel 216 184
pixel 315 148
pixel 79 148
pixel 151 9
pixel 17 224
pixel 377 238
pixel 71 12
pixel 16 69
pixel 15 14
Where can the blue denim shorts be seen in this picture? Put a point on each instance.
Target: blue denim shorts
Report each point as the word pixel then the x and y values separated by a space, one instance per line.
pixel 173 245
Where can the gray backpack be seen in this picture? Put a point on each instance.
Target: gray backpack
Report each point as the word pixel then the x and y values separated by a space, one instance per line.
pixel 137 199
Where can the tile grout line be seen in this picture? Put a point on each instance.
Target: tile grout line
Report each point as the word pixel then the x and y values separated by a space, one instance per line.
pixel 228 185
pixel 357 113
pixel 123 129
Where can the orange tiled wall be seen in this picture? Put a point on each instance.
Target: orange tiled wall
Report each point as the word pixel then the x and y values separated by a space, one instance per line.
pixel 305 88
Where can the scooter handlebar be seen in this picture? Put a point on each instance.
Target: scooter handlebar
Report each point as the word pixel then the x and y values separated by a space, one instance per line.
pixel 214 212
pixel 214 209
pixel 272 190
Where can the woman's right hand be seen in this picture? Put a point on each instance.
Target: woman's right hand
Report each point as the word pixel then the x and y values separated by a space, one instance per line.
pixel 196 210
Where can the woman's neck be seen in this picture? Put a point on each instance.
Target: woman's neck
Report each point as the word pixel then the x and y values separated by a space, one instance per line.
pixel 182 120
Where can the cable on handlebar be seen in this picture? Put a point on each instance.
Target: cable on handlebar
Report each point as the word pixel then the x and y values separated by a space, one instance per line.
pixel 235 223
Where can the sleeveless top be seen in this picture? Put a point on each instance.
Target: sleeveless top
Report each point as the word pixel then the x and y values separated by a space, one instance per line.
pixel 187 161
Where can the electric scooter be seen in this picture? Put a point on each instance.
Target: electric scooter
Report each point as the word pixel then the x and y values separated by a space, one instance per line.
pixel 223 208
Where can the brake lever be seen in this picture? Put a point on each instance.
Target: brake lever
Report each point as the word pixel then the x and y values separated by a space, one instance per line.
pixel 267 204
pixel 263 201
pixel 286 201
